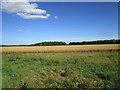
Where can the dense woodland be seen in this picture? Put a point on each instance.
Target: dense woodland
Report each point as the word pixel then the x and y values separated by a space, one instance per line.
pixel 56 43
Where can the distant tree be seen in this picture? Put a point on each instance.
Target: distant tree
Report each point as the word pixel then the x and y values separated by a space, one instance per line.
pixel 49 43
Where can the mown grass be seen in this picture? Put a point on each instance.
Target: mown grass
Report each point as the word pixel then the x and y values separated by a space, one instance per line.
pixel 69 70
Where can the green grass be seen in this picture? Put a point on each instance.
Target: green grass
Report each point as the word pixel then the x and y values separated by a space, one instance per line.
pixel 72 70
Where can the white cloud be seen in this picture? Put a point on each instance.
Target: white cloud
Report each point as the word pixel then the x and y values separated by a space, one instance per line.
pixel 56 17
pixel 28 16
pixel 20 30
pixel 23 8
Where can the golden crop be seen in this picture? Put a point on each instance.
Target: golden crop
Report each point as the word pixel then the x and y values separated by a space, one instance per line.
pixel 61 49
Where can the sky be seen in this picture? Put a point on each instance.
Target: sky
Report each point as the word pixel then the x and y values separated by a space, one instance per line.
pixel 28 23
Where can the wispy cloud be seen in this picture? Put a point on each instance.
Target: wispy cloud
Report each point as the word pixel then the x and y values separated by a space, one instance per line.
pixel 24 9
pixel 20 30
pixel 28 16
pixel 56 17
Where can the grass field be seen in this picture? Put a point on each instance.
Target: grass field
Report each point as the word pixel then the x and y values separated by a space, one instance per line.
pixel 59 49
pixel 61 70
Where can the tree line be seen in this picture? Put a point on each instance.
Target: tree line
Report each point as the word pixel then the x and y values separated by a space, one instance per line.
pixel 113 41
pixel 56 43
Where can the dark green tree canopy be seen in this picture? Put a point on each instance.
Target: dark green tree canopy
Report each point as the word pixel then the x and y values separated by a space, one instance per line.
pixel 113 41
pixel 49 43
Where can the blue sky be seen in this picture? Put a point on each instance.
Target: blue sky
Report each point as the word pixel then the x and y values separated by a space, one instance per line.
pixel 79 21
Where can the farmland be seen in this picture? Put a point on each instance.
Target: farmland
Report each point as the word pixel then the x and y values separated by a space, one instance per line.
pixel 59 49
pixel 75 66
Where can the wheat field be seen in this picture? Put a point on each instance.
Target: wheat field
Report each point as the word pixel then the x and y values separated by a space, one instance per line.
pixel 60 49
